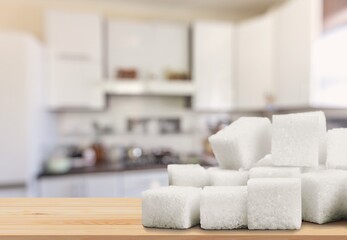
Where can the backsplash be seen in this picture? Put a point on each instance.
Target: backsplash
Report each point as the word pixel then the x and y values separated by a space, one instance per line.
pixel 135 120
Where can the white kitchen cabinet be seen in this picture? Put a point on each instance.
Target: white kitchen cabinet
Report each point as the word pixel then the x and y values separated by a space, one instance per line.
pixel 255 62
pixel 213 72
pixel 104 185
pixel 298 25
pixel 276 57
pixel 151 48
pixel 171 48
pixel 73 34
pixel 113 184
pixel 75 84
pixel 130 45
pixel 63 186
pixel 74 52
pixel 136 182
pixel 16 192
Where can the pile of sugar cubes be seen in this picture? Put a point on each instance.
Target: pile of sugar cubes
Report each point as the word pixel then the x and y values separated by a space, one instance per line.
pixel 270 176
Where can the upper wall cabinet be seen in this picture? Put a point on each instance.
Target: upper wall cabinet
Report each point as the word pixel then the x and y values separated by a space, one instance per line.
pixel 129 46
pixel 74 43
pixel 171 49
pixel 213 74
pixel 148 50
pixel 255 62
pixel 298 25
pixel 275 58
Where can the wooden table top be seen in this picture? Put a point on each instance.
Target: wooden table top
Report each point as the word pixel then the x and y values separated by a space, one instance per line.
pixel 120 218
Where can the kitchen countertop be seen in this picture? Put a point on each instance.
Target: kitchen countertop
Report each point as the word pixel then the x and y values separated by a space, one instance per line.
pixel 108 167
pixel 102 168
pixel 120 218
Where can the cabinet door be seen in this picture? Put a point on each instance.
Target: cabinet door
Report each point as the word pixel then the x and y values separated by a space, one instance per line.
pixel 72 186
pixel 255 62
pixel 136 182
pixel 171 48
pixel 213 44
pixel 77 35
pixel 130 45
pixel 75 84
pixel 104 185
pixel 74 43
pixel 297 26
pixel 13 193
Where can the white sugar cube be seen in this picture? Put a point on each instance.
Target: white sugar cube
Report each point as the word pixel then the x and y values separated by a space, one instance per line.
pixel 242 143
pixel 322 136
pixel 274 172
pixel 187 175
pixel 344 199
pixel 274 203
pixel 224 207
pixel 171 207
pixel 322 195
pixel 313 169
pixel 223 177
pixel 265 161
pixel 298 139
pixel 337 148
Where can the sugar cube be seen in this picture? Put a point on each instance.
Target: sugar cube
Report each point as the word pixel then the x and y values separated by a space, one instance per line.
pixel 171 207
pixel 274 172
pixel 322 195
pixel 322 136
pixel 224 207
pixel 242 143
pixel 265 161
pixel 337 148
pixel 344 199
pixel 187 175
pixel 313 169
pixel 223 177
pixel 298 139
pixel 274 203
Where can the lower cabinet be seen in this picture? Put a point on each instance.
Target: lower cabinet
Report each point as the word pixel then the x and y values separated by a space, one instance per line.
pixel 13 193
pixel 117 184
pixel 135 183
pixel 103 185
pixel 70 186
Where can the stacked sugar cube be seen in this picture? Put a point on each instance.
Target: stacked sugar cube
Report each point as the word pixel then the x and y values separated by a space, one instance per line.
pixel 270 176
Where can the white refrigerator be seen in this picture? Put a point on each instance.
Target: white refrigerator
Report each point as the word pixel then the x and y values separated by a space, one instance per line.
pixel 26 128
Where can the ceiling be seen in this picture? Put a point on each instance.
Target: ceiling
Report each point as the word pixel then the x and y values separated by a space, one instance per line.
pixel 234 7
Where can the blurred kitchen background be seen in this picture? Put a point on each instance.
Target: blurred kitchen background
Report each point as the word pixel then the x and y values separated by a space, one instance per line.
pixel 98 96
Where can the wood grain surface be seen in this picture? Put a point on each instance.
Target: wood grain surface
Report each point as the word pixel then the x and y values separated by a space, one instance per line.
pixel 120 218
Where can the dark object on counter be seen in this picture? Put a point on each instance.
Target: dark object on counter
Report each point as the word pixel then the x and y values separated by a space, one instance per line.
pixel 164 156
pixel 135 153
pixel 126 73
pixel 137 156
pixel 74 151
pixel 100 153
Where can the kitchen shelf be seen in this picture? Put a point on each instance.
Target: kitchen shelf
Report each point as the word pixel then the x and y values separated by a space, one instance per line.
pixel 120 218
pixel 149 87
